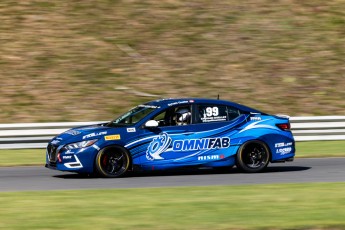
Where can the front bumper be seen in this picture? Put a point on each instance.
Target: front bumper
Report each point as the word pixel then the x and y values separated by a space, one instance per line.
pixel 77 160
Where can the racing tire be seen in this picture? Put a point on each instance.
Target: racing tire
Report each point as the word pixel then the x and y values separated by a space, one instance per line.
pixel 112 162
pixel 253 157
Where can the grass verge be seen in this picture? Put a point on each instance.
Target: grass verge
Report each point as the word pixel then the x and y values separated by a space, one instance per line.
pixel 282 206
pixel 320 149
pixel 21 157
pixel 304 149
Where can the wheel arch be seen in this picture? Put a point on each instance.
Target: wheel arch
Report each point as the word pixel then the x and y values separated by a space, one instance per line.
pixel 256 140
pixel 259 141
pixel 267 146
pixel 115 146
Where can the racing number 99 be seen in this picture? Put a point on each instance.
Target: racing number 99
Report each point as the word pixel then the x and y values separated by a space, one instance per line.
pixel 212 111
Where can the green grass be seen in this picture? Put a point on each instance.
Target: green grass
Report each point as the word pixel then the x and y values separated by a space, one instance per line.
pixel 304 149
pixel 320 149
pixel 16 157
pixel 288 206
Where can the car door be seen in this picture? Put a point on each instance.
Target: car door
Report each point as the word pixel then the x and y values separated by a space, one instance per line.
pixel 162 144
pixel 211 130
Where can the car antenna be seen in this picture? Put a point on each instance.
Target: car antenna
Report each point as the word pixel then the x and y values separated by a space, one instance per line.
pixel 218 97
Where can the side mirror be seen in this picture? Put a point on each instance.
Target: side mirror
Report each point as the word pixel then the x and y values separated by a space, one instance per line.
pixel 151 124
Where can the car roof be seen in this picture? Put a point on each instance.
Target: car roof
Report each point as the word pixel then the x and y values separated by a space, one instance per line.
pixel 180 101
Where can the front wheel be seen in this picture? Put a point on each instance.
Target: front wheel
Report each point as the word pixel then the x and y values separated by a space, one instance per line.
pixel 112 162
pixel 253 157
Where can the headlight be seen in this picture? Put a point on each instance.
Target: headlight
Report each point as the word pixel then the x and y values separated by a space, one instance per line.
pixel 79 145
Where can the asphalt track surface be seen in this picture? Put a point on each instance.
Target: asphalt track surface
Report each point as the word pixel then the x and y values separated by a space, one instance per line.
pixel 300 171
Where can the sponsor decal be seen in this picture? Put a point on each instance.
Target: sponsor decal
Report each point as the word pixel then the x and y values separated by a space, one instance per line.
pixel 177 103
pixel 255 118
pixel 112 137
pixel 72 132
pixel 69 152
pixel 157 146
pixel 211 119
pixel 131 130
pixel 284 151
pixel 201 144
pixel 54 142
pixel 94 134
pixel 210 157
pixel 283 148
pixel 282 144
pixel 212 114
pixel 149 106
pixel 66 157
pixel 161 143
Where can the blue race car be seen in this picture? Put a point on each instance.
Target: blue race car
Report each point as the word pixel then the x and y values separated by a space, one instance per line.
pixel 171 133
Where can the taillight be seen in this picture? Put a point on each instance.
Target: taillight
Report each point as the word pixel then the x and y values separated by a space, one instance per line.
pixel 284 126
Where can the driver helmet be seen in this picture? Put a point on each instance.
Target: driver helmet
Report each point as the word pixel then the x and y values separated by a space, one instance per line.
pixel 182 116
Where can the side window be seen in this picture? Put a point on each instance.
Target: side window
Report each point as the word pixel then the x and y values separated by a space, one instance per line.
pixel 161 119
pixel 232 112
pixel 180 115
pixel 211 113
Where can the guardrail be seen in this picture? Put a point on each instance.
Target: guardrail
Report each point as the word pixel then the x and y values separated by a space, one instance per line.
pixel 33 135
pixel 37 135
pixel 319 128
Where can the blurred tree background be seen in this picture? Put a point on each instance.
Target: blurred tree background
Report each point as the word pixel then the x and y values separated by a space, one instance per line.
pixel 93 59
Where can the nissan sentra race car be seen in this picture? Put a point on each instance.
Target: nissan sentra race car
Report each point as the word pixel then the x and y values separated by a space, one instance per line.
pixel 171 133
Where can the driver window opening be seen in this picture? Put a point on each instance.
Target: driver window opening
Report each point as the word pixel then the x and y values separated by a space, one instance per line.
pixel 180 115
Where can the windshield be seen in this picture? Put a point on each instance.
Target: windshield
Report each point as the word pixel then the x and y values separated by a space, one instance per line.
pixel 132 116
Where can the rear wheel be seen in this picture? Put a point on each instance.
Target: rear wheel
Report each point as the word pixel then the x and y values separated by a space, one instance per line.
pixel 253 156
pixel 112 162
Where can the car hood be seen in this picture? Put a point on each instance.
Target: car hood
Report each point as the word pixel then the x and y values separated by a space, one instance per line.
pixel 83 133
